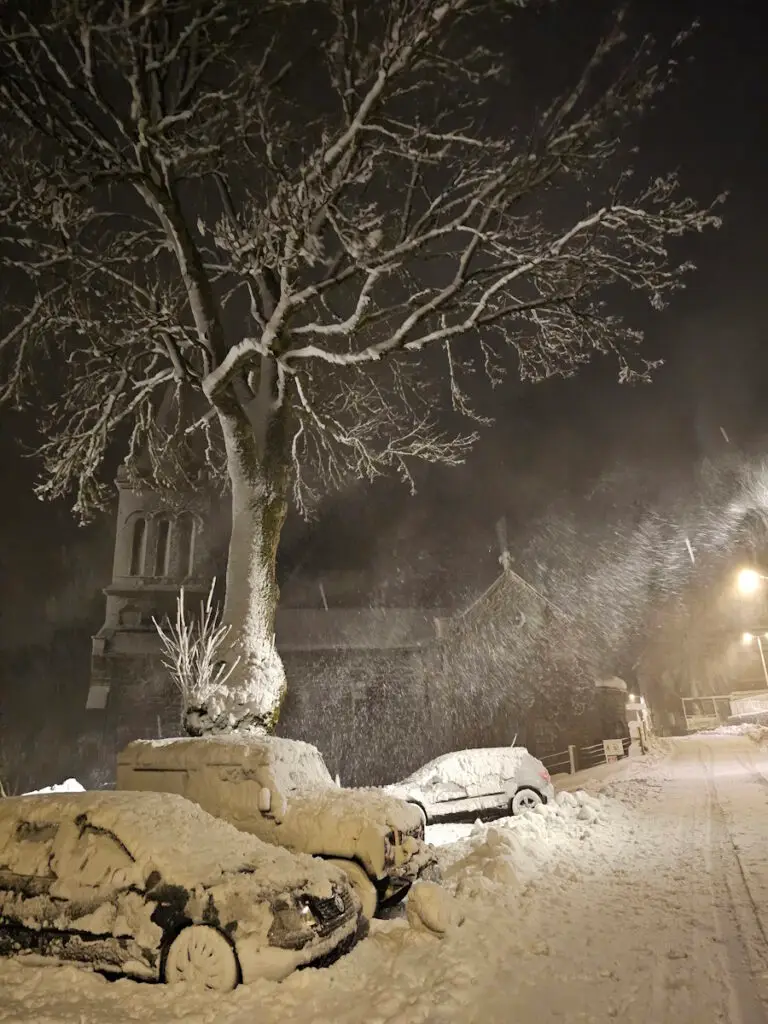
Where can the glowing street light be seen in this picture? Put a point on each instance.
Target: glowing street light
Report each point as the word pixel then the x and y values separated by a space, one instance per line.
pixel 749 581
pixel 746 639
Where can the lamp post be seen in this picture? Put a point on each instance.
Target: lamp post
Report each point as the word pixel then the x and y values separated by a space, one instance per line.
pixel 746 639
pixel 748 582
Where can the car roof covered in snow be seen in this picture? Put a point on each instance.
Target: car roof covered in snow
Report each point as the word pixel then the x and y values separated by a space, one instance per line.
pixel 295 765
pixel 168 833
pixel 197 751
pixel 475 762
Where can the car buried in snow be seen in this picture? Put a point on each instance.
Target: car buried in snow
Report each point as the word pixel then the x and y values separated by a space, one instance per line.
pixel 281 791
pixel 469 784
pixel 150 886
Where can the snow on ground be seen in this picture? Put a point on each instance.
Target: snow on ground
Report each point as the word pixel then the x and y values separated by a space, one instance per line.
pixel 644 899
pixel 536 835
pixel 755 732
pixel 68 786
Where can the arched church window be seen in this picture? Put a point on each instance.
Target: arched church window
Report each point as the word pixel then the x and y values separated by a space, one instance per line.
pixel 138 547
pixel 162 548
pixel 185 544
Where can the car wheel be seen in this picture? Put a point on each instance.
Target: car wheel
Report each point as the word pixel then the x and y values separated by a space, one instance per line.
pixel 363 887
pixel 525 799
pixel 394 896
pixel 420 809
pixel 201 955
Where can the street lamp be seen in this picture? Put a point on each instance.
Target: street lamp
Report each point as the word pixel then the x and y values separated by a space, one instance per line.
pixel 749 581
pixel 746 639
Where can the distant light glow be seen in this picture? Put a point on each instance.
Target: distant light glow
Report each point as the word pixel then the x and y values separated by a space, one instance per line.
pixel 748 581
pixel 746 638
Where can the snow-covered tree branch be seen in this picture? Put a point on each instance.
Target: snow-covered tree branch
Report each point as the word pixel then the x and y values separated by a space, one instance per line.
pixel 301 254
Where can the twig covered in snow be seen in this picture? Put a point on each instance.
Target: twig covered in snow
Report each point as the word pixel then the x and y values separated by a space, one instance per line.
pixel 191 651
pixel 178 220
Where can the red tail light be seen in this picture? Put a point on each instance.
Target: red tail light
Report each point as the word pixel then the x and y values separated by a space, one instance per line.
pixel 544 774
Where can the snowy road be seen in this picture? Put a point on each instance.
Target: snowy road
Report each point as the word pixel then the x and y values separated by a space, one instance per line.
pixel 668 921
pixel 648 905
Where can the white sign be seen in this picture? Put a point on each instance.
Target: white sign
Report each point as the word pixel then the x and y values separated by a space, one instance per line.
pixel 613 749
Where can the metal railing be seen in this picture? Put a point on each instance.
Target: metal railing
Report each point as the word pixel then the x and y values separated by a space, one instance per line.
pixel 575 759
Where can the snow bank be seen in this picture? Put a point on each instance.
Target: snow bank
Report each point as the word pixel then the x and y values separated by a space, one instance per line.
pixel 68 786
pixel 430 906
pixel 512 851
pixel 758 733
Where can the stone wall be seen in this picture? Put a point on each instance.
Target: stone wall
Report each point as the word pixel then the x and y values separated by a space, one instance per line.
pixel 375 715
pixel 365 710
pixel 143 702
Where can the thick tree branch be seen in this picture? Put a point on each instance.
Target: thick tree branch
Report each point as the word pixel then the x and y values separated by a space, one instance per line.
pixel 177 215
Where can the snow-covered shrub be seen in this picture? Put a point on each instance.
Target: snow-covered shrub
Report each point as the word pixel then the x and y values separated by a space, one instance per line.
pixel 191 651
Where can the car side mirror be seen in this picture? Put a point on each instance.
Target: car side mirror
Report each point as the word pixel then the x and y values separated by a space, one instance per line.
pixel 265 800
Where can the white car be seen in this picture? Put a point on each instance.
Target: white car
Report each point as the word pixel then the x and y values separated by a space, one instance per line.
pixel 281 791
pixel 469 784
pixel 150 886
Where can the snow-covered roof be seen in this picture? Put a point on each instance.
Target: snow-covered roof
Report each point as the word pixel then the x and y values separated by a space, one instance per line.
pixel 311 629
pixel 473 765
pixel 68 786
pixel 295 765
pixel 614 683
pixel 184 843
pixel 234 749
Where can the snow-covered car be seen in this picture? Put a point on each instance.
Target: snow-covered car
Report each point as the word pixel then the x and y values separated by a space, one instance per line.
pixel 478 783
pixel 149 885
pixel 281 791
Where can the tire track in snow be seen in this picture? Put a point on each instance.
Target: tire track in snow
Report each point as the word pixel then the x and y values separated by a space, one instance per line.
pixel 737 916
pixel 700 950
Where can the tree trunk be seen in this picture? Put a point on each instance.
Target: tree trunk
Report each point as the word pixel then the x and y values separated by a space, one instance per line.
pixel 250 698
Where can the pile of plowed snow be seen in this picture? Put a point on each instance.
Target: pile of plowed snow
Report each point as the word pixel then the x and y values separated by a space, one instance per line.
pixel 758 733
pixel 511 851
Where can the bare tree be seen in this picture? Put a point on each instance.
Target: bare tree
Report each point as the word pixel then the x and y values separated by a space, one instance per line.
pixel 310 247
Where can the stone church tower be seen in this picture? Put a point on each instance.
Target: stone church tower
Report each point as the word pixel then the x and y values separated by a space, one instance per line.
pixel 159 547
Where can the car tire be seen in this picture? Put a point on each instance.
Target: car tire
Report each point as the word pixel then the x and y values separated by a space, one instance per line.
pixel 201 955
pixel 525 799
pixel 392 900
pixel 361 884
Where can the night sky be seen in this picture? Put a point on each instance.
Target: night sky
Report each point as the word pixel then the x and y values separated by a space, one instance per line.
pixel 550 440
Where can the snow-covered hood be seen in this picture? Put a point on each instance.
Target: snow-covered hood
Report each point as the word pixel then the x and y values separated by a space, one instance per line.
pixel 250 899
pixel 356 808
pixel 366 824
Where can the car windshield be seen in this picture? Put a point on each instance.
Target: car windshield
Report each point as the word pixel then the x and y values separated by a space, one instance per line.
pixel 439 769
